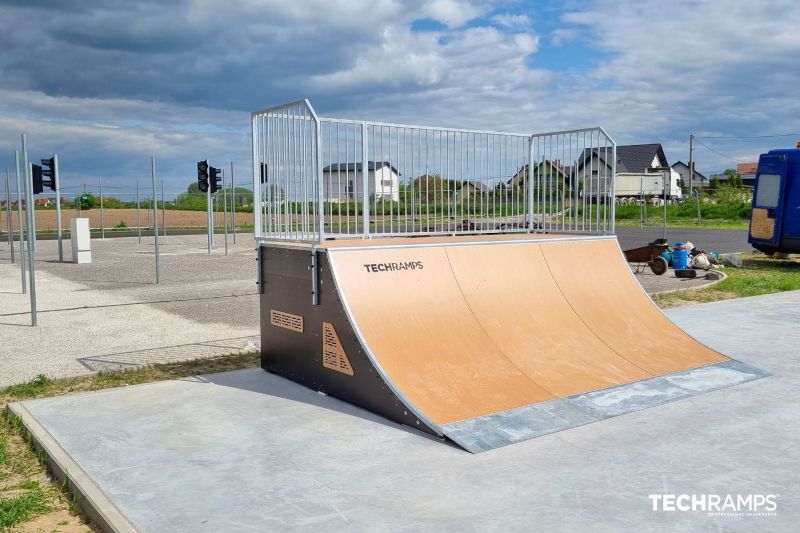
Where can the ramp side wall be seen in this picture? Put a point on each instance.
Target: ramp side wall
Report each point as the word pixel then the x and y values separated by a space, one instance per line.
pixel 298 356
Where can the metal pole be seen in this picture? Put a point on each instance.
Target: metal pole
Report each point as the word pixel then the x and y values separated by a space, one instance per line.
pixel 163 211
pixel 225 212
pixel 102 218
pixel 208 213
pixel 691 167
pixel 155 218
pixel 138 213
pixel 57 179
pixel 21 229
pixel 31 226
pixel 8 218
pixel 233 204
pixel 666 175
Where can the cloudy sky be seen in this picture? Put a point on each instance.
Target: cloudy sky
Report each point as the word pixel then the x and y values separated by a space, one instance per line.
pixel 107 83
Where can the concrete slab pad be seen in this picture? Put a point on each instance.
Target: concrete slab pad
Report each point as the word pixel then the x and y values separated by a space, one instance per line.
pixel 247 451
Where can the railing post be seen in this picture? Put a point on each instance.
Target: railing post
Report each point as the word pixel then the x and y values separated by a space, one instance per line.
pixel 529 176
pixel 257 229
pixel 365 180
pixel 613 187
pixel 320 185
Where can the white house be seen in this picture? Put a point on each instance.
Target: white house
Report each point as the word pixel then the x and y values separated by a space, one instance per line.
pixel 343 181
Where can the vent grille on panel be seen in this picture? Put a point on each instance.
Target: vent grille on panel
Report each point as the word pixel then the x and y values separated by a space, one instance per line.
pixel 286 320
pixel 333 355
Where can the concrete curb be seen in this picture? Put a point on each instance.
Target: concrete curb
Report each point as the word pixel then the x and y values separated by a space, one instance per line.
pixel 695 287
pixel 94 503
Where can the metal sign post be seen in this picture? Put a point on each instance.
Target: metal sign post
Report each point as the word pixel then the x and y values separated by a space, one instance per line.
pixel 21 229
pixel 31 226
pixel 8 218
pixel 57 178
pixel 155 218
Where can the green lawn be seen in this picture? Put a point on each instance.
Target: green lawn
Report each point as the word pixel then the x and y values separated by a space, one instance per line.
pixel 759 274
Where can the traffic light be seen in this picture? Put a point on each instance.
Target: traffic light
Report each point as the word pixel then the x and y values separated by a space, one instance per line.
pixel 38 186
pixel 214 179
pixel 202 175
pixel 49 171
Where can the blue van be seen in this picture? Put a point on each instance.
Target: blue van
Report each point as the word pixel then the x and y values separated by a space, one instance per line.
pixel 775 220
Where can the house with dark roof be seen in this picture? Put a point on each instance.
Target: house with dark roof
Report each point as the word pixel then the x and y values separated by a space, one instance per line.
pixel 343 182
pixel 637 171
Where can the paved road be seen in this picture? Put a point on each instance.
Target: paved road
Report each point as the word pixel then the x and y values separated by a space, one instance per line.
pixel 717 240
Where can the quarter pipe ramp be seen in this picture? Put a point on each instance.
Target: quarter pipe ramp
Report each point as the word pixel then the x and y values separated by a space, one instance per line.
pixel 485 340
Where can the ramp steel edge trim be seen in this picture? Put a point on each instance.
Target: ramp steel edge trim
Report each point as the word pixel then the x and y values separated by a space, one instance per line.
pixel 530 240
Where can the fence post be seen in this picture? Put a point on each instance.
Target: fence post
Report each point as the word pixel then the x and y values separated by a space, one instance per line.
pixel 163 211
pixel 138 213
pixel 155 217
pixel 225 211
pixel 8 218
pixel 233 204
pixel 31 227
pixel 21 229
pixel 57 179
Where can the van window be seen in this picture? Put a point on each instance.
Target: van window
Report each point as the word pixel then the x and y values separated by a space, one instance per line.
pixel 769 188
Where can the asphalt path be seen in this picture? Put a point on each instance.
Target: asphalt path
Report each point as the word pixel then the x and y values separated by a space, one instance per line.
pixel 710 240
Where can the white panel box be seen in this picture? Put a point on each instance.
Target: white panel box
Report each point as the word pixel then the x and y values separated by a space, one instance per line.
pixel 81 240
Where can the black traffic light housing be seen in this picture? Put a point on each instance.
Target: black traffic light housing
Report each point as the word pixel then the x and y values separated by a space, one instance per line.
pixel 214 179
pixel 48 170
pixel 202 175
pixel 38 182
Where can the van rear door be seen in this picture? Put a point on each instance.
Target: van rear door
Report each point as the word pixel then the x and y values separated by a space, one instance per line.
pixel 765 221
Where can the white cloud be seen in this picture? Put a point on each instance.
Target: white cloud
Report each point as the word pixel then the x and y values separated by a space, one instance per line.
pixel 155 85
pixel 512 21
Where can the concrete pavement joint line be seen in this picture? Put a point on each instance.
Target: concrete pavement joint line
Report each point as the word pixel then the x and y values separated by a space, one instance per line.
pixel 97 506
pixel 133 303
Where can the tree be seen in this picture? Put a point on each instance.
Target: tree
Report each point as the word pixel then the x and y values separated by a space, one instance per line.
pixel 734 178
pixel 193 187
pixel 714 183
pixel 431 188
pixel 88 200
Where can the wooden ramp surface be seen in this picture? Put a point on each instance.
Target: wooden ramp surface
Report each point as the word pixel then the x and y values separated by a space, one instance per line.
pixel 465 331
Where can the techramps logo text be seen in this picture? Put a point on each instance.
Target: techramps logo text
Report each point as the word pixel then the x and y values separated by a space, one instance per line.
pixel 392 267
pixel 717 504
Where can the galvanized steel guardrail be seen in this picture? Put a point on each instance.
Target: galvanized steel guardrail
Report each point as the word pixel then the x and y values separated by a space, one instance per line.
pixel 321 178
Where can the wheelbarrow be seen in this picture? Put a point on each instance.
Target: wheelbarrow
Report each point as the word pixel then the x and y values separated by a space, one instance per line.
pixel 650 254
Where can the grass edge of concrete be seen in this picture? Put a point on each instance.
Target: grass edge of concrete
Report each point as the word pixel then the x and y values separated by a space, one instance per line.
pixel 79 486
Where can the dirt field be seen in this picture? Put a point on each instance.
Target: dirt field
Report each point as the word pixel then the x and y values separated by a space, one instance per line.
pixel 46 219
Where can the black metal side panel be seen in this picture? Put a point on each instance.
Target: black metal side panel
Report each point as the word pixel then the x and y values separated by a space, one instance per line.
pixel 286 279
